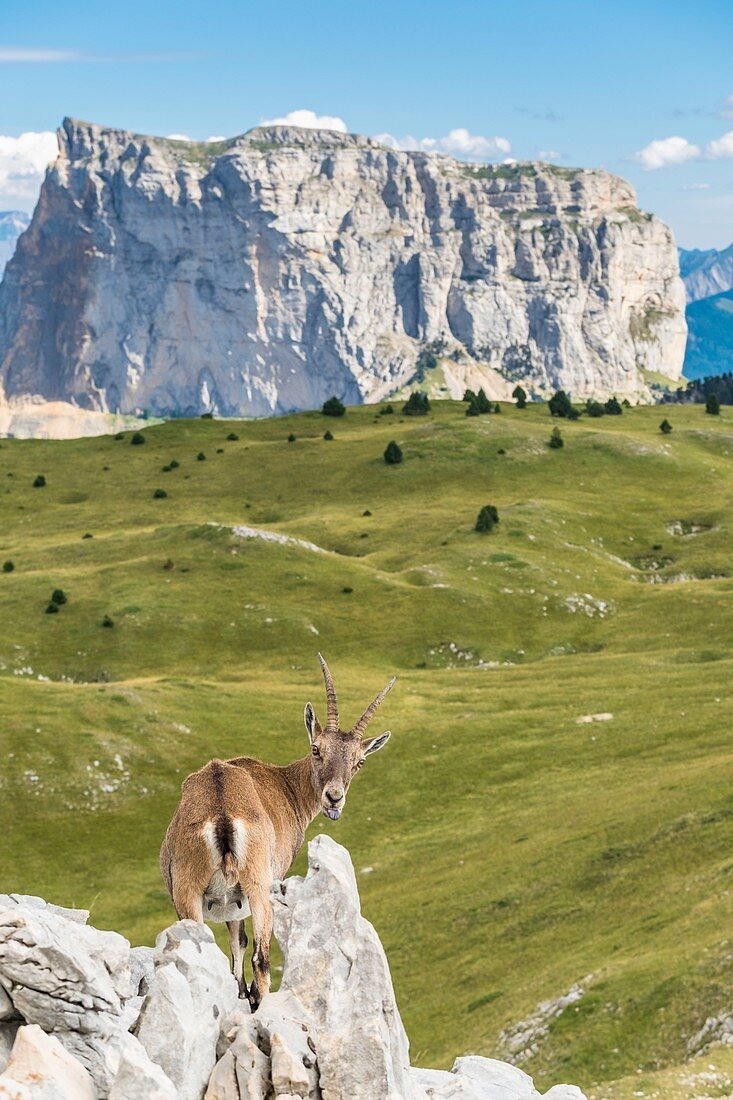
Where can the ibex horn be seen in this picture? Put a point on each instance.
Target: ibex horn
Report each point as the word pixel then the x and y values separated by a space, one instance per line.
pixel 366 717
pixel 332 721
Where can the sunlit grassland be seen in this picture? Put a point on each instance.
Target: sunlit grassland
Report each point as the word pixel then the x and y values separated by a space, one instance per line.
pixel 512 851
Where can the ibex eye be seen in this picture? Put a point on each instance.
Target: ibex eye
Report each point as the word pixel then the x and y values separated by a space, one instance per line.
pixel 315 750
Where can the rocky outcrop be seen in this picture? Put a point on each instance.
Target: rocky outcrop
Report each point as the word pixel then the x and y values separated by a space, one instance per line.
pixel 265 273
pixel 93 1018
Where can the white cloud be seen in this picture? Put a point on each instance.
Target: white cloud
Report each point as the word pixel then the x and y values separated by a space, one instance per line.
pixel 459 142
pixel 309 119
pixel 215 137
pixel 12 54
pixel 23 161
pixel 178 137
pixel 666 151
pixel 697 187
pixel 549 154
pixel 720 147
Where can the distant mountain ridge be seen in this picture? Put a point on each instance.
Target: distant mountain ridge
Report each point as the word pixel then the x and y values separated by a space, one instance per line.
pixel 12 224
pixel 706 271
pixel 708 278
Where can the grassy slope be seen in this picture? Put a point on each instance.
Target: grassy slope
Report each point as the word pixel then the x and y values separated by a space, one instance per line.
pixel 514 851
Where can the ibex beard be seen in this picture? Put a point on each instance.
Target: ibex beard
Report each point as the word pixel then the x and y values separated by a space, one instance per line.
pixel 240 824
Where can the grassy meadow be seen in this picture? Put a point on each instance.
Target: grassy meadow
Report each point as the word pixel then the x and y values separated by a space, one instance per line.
pixel 507 845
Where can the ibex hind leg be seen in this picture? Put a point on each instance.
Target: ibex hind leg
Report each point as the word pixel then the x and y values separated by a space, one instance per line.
pixel 261 908
pixel 188 903
pixel 238 946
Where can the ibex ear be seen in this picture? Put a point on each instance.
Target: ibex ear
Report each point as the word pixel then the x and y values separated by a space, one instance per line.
pixel 374 744
pixel 311 722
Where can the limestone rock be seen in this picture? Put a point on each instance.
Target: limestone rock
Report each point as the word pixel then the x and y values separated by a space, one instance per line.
pixel 40 1068
pixel 191 994
pixel 243 1070
pixel 138 1076
pixel 336 968
pixel 265 273
pixel 475 1078
pixel 8 1031
pixel 68 978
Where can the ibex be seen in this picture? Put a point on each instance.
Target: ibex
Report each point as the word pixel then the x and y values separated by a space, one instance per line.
pixel 240 824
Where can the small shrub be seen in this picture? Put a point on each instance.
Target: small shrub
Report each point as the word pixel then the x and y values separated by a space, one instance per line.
pixel 473 407
pixel 165 469
pixel 52 609
pixel 173 465
pixel 232 437
pixel 497 407
pixel 487 519
pixel 387 410
pixel 417 404
pixel 347 590
pixel 137 439
pixel 328 436
pixel 88 535
pixel 201 457
pixel 393 453
pixel 106 621
pixel 333 407
pixel 613 407
pixel 594 408
pixel 665 427
pixel 291 438
pixel 159 494
pixel 168 565
pixel 40 482
pixel 520 396
pixel 712 405
pixel 468 395
pixel 220 450
pixel 366 512
pixel 561 405
pixel 501 451
pixel 484 405
pixel 626 403
pixel 58 596
pixel 556 439
pixel 120 435
pixel 207 416
pixel 8 566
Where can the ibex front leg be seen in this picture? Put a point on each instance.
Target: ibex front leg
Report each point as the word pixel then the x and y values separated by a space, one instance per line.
pixel 259 902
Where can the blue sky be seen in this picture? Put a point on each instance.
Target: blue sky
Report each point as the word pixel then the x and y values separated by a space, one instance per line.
pixel 584 83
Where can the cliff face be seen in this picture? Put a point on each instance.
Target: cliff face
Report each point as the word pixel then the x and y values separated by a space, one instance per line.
pixel 268 272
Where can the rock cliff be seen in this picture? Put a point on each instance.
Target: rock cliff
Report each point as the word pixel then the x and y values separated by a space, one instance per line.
pixel 265 273
pixel 84 1016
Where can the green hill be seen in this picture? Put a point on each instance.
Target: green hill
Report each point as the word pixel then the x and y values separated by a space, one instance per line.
pixel 507 846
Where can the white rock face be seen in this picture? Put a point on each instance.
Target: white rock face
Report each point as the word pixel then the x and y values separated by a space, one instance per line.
pixel 41 1069
pixel 138 1076
pixel 265 273
pixel 191 993
pixel 70 979
pixel 336 967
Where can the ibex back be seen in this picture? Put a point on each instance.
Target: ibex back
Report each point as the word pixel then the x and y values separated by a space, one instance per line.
pixel 240 824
